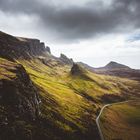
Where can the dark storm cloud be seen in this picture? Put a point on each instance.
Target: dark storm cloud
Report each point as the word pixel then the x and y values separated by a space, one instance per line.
pixel 82 21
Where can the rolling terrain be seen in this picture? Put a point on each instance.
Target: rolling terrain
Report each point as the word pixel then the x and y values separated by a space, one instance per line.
pixel 123 122
pixel 52 98
pixel 115 69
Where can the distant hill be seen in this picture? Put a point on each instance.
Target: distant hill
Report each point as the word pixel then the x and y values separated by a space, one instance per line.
pixel 115 65
pixel 115 69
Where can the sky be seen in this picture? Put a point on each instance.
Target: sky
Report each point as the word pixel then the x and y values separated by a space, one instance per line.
pixel 92 31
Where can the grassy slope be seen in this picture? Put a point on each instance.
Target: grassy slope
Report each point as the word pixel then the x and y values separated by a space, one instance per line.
pixel 122 121
pixel 76 99
pixel 70 103
pixel 6 68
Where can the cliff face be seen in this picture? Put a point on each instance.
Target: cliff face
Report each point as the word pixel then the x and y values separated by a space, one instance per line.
pixel 19 102
pixel 77 70
pixel 37 48
pixel 18 95
pixel 66 60
pixel 14 47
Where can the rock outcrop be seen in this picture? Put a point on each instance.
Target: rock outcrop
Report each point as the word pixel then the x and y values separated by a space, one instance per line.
pixel 16 47
pixel 77 70
pixel 19 96
pixel 48 49
pixel 66 60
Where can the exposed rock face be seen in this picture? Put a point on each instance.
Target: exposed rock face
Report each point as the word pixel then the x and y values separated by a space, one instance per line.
pixel 15 47
pixel 65 59
pixel 48 49
pixel 35 47
pixel 77 70
pixel 19 97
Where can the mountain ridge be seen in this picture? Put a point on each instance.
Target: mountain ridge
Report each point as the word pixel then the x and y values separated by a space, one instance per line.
pixel 15 47
pixel 115 65
pixel 115 69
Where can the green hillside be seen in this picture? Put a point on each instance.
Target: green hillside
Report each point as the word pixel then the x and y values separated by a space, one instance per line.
pixel 48 98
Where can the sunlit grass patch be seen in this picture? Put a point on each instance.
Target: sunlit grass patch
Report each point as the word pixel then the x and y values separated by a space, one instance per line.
pixel 6 69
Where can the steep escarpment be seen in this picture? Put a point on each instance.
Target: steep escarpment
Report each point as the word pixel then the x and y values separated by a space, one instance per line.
pixel 77 70
pixel 66 60
pixel 15 47
pixel 18 94
pixel 19 102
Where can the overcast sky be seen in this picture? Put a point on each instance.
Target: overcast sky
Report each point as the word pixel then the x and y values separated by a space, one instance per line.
pixel 91 31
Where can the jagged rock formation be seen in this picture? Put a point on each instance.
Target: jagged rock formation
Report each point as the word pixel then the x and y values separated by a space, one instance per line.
pixel 24 48
pixel 65 59
pixel 48 49
pixel 77 70
pixel 15 47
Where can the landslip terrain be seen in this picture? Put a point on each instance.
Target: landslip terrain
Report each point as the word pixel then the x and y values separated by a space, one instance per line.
pixel 43 97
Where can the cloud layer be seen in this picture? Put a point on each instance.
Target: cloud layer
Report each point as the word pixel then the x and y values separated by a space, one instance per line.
pixel 92 31
pixel 75 21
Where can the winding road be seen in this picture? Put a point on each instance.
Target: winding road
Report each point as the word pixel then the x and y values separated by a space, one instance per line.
pixel 98 117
